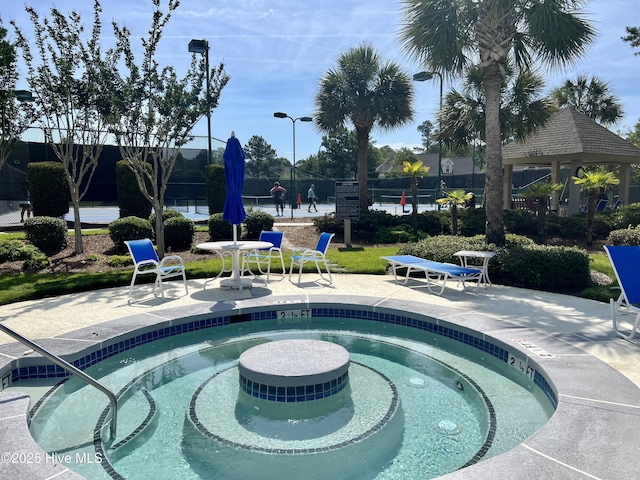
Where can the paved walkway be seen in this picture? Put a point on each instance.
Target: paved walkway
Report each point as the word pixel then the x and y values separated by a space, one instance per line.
pixel 587 322
pixel 598 415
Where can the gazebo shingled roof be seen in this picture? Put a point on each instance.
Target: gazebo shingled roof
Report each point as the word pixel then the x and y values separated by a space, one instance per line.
pixel 567 135
pixel 571 138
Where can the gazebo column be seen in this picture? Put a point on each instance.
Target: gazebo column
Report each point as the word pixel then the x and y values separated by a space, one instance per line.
pixel 574 190
pixel 625 182
pixel 507 186
pixel 555 178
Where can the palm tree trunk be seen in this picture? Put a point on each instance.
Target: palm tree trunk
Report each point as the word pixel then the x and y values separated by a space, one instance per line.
pixel 542 218
pixel 454 218
pixel 493 180
pixel 591 214
pixel 414 204
pixel 362 134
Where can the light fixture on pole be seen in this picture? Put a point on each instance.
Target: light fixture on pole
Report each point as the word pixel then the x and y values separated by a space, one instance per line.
pixel 421 77
pixel 202 46
pixel 293 171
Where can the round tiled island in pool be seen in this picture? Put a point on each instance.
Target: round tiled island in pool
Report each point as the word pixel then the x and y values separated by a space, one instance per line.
pixel 294 370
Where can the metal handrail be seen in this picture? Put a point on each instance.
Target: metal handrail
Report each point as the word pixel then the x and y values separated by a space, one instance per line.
pixel 74 370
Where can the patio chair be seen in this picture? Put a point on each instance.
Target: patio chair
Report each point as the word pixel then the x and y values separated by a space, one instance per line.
pixel 146 262
pixel 262 257
pixel 600 205
pixel 625 261
pixel 616 205
pixel 300 256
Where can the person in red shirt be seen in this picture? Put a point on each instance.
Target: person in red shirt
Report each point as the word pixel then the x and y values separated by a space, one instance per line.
pixel 278 193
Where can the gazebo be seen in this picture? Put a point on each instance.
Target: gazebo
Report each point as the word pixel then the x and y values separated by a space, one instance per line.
pixel 572 139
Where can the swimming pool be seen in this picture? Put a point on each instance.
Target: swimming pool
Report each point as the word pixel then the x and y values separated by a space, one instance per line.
pixel 391 344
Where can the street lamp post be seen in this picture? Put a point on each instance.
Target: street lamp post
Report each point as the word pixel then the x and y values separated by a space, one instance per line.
pixel 293 171
pixel 202 46
pixel 421 77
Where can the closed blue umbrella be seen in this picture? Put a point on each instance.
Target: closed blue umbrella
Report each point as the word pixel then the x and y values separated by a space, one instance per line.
pixel 234 175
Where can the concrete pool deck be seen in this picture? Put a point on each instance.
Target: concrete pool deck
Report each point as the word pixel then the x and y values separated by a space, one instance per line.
pixel 592 435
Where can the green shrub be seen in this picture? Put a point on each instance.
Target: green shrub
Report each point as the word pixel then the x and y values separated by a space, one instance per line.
pixel 603 223
pixel 626 216
pixel 512 240
pixel 49 234
pixel 573 227
pixel 521 222
pixel 131 201
pixel 373 221
pixel 256 222
pixel 520 263
pixel 38 261
pixel 15 250
pixel 119 261
pixel 216 187
pixel 400 234
pixel 435 223
pixel 442 247
pixel 540 267
pixel 48 188
pixel 129 228
pixel 625 236
pixel 329 224
pixel 219 228
pixel 166 215
pixel 472 221
pixel 178 233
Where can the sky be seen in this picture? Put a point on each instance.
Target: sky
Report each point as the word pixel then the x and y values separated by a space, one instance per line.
pixel 276 51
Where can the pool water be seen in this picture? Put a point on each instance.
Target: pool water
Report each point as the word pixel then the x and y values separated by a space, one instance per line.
pixel 411 410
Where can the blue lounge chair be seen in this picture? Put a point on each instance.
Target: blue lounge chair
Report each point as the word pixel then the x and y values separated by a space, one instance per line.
pixel 262 258
pixel 600 205
pixel 625 261
pixel 300 256
pixel 435 271
pixel 146 262
pixel 616 205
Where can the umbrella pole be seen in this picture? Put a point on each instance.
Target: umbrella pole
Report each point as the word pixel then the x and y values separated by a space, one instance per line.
pixel 235 264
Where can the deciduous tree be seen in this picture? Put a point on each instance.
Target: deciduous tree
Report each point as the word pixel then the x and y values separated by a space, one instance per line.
pixel 66 75
pixel 153 111
pixel 16 115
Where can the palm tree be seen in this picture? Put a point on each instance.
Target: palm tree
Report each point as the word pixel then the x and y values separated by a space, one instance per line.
pixel 366 92
pixel 539 194
pixel 450 36
pixel 523 109
pixel 592 182
pixel 415 170
pixel 455 199
pixel 591 97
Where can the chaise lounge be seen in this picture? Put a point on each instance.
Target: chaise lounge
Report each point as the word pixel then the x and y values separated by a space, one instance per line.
pixel 435 271
pixel 625 260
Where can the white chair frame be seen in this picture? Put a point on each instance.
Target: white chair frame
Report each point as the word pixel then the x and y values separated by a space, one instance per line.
pixel 146 262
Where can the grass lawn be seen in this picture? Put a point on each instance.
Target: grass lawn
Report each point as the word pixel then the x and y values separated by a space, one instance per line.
pixel 366 260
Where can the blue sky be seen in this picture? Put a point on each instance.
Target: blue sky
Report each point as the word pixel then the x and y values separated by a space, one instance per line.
pixel 276 51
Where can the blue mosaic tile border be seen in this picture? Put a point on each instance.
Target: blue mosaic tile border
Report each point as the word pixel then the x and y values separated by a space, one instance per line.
pixel 431 327
pixel 393 407
pixel 53 371
pixel 304 393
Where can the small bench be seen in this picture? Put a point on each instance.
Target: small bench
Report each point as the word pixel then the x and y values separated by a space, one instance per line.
pixel 435 271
